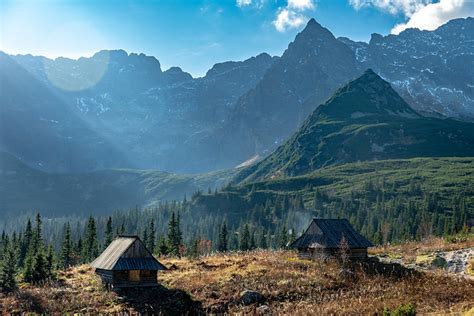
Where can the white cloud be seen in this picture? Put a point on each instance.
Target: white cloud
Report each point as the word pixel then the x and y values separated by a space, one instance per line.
pixel 407 7
pixel 300 4
pixel 433 15
pixel 421 14
pixel 292 15
pixel 288 19
pixel 243 3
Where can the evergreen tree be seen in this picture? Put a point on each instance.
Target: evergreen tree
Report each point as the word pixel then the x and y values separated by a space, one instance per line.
pixel 151 236
pixel 66 256
pixel 262 240
pixel 174 234
pixel 37 240
pixel 109 235
pixel 26 243
pixel 162 246
pixel 283 237
pixel 244 243
pixel 145 237
pixel 90 248
pixel 50 263
pixel 8 271
pixel 40 268
pixel 28 267
pixel 222 242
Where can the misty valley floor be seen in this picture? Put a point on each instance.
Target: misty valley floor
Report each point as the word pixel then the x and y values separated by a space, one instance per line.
pixel 213 284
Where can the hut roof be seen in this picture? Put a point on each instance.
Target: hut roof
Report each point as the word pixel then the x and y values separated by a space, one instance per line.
pixel 120 255
pixel 328 233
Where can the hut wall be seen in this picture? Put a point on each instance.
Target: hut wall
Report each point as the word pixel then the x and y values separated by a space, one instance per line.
pixel 107 276
pixel 147 278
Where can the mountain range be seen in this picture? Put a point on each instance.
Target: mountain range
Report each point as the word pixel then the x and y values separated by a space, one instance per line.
pixel 363 121
pixel 119 110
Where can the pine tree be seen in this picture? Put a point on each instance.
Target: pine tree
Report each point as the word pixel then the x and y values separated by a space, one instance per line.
pixel 151 236
pixel 262 240
pixel 162 246
pixel 28 267
pixel 40 268
pixel 244 243
pixel 50 263
pixel 66 256
pixel 109 234
pixel 26 243
pixel 90 248
pixel 37 241
pixel 8 271
pixel 222 242
pixel 174 234
pixel 283 237
pixel 145 236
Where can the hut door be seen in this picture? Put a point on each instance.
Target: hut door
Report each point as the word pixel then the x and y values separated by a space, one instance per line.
pixel 134 275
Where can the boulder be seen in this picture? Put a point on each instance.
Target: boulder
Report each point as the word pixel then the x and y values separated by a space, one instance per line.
pixel 248 297
pixel 431 261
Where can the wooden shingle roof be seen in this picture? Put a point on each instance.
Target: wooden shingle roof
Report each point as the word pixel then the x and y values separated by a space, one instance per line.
pixel 328 233
pixel 127 253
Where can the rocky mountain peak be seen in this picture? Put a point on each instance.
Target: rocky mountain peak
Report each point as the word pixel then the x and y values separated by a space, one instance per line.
pixel 367 95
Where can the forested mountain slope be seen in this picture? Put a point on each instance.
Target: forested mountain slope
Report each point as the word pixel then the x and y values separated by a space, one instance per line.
pixel 364 120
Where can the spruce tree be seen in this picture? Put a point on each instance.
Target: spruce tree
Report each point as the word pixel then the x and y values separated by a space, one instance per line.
pixel 40 267
pixel 244 243
pixel 222 242
pixel 50 263
pixel 283 237
pixel 162 246
pixel 174 234
pixel 262 240
pixel 8 271
pixel 109 234
pixel 28 267
pixel 145 236
pixel 37 241
pixel 25 243
pixel 90 248
pixel 151 236
pixel 66 256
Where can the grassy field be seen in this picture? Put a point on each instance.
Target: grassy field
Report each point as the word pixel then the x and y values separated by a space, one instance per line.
pixel 445 176
pixel 213 284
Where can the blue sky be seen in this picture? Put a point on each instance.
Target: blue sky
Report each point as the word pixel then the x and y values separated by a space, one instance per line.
pixel 191 34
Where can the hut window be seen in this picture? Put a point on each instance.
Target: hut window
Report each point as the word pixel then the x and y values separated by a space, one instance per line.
pixel 134 275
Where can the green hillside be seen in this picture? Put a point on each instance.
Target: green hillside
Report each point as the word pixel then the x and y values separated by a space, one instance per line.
pixel 408 195
pixel 27 189
pixel 363 121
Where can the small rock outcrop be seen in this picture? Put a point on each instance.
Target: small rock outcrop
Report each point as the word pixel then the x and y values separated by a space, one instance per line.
pixel 249 297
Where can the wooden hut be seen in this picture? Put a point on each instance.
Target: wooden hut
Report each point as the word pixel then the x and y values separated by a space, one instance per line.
pixel 323 238
pixel 126 262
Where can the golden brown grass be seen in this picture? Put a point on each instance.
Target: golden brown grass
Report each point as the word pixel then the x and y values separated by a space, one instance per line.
pixel 294 286
pixel 290 286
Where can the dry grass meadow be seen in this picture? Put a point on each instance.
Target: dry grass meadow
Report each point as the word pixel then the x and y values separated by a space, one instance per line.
pixel 212 284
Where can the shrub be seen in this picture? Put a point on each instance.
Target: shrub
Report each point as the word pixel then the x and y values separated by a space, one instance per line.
pixel 401 310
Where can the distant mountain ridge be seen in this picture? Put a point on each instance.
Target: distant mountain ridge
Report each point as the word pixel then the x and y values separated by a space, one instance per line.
pixel 151 116
pixel 127 105
pixel 431 70
pixel 364 120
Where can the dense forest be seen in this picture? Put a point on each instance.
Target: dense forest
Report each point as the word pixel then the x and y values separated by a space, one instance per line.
pixel 385 207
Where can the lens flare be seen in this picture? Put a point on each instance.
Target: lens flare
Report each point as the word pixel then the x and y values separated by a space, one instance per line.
pixel 71 75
